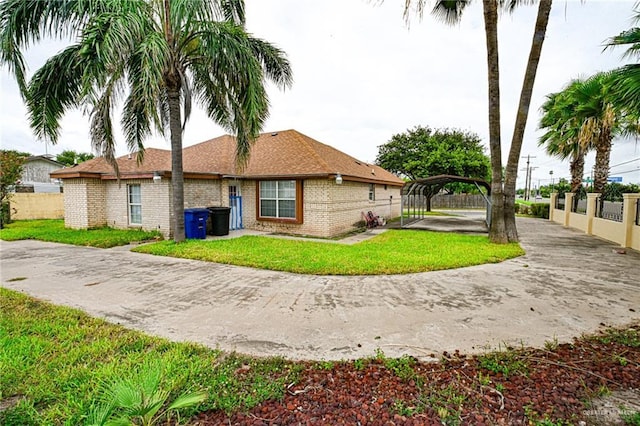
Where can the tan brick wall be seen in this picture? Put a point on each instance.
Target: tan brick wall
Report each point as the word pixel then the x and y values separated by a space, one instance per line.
pixel 84 203
pixel 37 206
pixel 156 205
pixel 329 209
pixel 202 193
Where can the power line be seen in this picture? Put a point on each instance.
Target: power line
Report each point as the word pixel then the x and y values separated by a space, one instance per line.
pixel 628 171
pixel 626 162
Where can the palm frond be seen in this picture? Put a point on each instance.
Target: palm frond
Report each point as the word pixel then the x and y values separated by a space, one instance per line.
pixel 53 89
pixel 449 11
pixel 274 62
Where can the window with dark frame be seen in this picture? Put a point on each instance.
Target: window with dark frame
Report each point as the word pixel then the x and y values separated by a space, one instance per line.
pixel 372 192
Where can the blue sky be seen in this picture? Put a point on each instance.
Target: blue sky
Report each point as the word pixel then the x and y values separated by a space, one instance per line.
pixel 361 75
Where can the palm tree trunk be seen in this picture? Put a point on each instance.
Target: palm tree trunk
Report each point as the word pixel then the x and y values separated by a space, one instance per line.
pixel 544 9
pixel 601 167
pixel 577 170
pixel 177 176
pixel 497 231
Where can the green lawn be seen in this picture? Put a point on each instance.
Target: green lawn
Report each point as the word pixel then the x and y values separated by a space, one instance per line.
pixel 54 231
pixel 393 252
pixel 56 359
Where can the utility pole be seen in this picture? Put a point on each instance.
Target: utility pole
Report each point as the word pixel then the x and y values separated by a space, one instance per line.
pixel 527 179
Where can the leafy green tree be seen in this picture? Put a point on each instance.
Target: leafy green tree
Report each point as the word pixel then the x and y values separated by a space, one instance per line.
pixel 503 186
pixel 422 152
pixel 160 56
pixel 70 157
pixel 11 165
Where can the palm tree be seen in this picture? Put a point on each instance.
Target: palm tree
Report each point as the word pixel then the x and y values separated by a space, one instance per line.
pixel 157 55
pixel 586 116
pixel 599 122
pixel 562 132
pixel 626 80
pixel 503 189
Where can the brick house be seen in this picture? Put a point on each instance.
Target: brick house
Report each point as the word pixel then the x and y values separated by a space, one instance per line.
pixel 292 184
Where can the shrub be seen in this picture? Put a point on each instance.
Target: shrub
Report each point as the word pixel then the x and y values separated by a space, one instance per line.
pixel 540 210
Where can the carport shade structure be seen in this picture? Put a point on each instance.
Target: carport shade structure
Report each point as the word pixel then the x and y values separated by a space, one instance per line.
pixel 417 193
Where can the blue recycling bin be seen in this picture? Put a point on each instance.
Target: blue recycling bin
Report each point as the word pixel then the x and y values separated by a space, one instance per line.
pixel 195 223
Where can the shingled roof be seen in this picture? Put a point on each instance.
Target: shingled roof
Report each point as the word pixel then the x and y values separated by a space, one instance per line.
pixel 280 154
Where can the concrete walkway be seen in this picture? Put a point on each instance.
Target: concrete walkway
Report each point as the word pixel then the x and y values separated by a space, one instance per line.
pixel 567 284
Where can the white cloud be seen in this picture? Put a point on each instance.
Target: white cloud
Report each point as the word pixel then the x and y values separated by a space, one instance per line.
pixel 361 75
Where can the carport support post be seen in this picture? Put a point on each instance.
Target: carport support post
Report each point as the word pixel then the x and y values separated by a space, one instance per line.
pixel 629 216
pixel 592 198
pixel 568 203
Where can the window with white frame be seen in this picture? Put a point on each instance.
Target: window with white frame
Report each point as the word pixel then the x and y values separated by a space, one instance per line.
pixel 372 192
pixel 135 204
pixel 278 199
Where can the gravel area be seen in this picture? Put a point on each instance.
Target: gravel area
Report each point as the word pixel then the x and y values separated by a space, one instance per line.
pixel 591 381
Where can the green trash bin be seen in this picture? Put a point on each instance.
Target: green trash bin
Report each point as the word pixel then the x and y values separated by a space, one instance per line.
pixel 219 220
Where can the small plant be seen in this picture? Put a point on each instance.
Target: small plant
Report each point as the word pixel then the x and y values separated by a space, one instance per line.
pixel 507 362
pixel 484 380
pixel 403 409
pixel 447 402
pixel 628 337
pixel 402 367
pixel 631 419
pixel 360 364
pixel 620 360
pixel 139 401
pixel 536 419
pixel 500 387
pixel 551 345
pixel 326 365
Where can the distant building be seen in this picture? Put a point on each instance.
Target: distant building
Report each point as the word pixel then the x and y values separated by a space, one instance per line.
pixel 35 175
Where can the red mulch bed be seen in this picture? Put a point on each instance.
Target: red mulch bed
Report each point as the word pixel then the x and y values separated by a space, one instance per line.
pixel 539 384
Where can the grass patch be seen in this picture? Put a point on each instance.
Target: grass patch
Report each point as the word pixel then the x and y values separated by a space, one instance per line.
pixel 507 361
pixel 393 252
pixel 53 230
pixel 627 337
pixel 55 361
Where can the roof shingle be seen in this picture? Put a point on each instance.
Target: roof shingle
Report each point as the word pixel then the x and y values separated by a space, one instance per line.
pixel 286 153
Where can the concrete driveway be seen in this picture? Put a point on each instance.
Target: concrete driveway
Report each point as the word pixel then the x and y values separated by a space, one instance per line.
pixel 567 284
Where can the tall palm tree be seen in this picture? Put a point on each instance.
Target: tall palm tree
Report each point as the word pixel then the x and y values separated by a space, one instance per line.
pixel 586 116
pixel 599 120
pixel 503 189
pixel 157 55
pixel 561 137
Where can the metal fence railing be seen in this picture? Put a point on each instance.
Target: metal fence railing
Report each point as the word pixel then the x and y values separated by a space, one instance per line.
pixel 579 205
pixel 610 210
pixel 638 212
pixel 560 202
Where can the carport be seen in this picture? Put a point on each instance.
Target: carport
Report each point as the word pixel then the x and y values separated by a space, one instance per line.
pixel 417 195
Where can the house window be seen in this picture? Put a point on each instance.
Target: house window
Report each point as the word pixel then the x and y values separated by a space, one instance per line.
pixel 280 200
pixel 135 204
pixel 372 192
